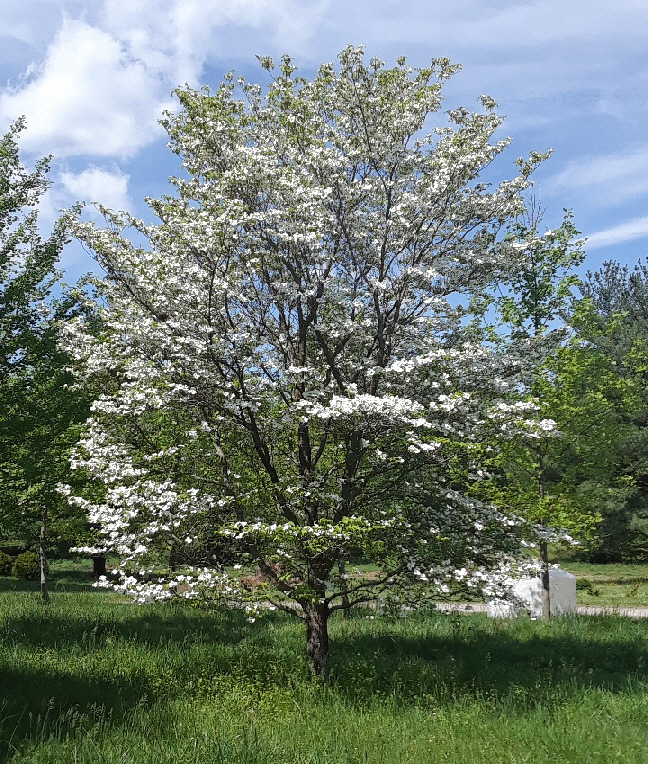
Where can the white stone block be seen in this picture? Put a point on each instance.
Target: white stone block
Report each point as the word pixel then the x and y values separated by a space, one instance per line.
pixel 529 591
pixel 562 597
pixel 562 592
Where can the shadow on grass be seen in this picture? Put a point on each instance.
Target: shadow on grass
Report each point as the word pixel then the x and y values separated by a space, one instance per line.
pixel 430 660
pixel 480 659
pixel 34 702
pixel 149 629
pixel 70 581
pixel 41 701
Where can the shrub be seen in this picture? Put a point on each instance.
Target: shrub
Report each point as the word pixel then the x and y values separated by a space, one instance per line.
pixel 586 585
pixel 26 566
pixel 5 564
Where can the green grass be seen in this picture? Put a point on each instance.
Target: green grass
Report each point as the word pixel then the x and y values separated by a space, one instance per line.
pixel 90 679
pixel 67 575
pixel 613 570
pixel 611 585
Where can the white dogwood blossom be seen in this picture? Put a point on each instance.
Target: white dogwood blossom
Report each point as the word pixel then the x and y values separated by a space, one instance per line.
pixel 289 376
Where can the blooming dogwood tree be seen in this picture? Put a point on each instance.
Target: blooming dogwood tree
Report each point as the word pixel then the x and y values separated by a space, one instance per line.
pixel 292 376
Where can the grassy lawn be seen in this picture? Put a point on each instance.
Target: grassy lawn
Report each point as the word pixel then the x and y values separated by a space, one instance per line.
pixel 606 585
pixel 610 585
pixel 71 575
pixel 90 679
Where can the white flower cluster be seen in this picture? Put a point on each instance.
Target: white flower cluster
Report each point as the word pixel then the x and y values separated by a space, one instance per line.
pixel 285 368
pixel 194 584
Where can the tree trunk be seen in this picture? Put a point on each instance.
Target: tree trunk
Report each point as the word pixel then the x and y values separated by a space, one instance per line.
pixel 346 606
pixel 43 563
pixel 173 558
pixel 544 551
pixel 98 566
pixel 546 599
pixel 317 640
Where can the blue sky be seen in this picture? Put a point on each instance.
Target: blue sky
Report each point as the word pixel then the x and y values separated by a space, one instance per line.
pixel 92 79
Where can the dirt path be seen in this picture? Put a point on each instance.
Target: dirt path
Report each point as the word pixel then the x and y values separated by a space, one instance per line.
pixel 480 607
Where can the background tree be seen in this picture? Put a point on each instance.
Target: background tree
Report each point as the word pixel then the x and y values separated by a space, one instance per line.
pixel 293 322
pixel 39 409
pixel 559 481
pixel 528 306
pixel 565 480
pixel 618 330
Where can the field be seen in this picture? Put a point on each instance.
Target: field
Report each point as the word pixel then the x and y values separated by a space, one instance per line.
pixel 90 678
pixel 611 585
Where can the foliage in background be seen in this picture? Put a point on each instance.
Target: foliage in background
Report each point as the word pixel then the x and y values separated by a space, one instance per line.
pixel 531 477
pixel 27 566
pixel 568 480
pixel 40 413
pixel 582 382
pixel 5 564
pixel 618 331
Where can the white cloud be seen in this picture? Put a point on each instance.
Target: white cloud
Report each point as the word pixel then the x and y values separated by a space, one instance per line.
pixel 109 187
pixel 636 228
pixel 606 180
pixel 102 86
pixel 33 22
pixel 569 74
pixel 492 24
pixel 89 97
pixel 98 185
pixel 177 37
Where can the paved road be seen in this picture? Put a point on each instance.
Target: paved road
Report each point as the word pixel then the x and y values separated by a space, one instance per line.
pixel 480 607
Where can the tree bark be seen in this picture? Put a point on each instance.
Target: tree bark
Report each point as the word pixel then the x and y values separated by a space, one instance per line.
pixel 544 551
pixel 546 599
pixel 317 640
pixel 98 566
pixel 43 563
pixel 346 605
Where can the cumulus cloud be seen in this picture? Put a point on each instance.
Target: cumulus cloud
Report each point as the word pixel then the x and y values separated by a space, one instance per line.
pixel 109 188
pixel 177 37
pixel 105 79
pixel 88 97
pixel 93 78
pixel 33 22
pixel 636 228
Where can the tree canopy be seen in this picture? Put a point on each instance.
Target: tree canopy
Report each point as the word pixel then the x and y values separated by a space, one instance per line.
pixel 39 408
pixel 617 330
pixel 295 378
